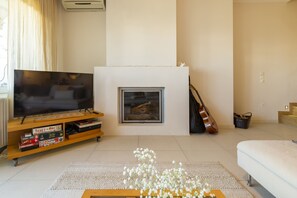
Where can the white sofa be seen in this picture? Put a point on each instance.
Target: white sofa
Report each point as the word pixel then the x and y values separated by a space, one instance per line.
pixel 273 163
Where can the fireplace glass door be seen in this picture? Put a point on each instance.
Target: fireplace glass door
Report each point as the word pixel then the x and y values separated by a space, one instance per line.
pixel 141 104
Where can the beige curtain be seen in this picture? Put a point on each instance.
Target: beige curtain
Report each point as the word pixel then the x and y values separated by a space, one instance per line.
pixel 32 40
pixel 32 34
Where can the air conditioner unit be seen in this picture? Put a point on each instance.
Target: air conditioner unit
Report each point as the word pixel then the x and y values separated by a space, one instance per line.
pixel 84 5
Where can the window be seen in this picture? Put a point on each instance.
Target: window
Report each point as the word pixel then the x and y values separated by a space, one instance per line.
pixel 3 45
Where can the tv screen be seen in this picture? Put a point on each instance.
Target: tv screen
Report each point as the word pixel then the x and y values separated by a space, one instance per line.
pixel 41 92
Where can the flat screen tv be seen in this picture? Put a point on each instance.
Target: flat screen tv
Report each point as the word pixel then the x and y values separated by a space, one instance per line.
pixel 43 92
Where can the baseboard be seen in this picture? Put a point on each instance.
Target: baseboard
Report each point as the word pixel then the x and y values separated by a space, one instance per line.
pixel 226 126
pixel 264 122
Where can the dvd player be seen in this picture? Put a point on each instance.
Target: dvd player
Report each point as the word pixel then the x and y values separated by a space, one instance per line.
pixel 86 125
pixel 83 129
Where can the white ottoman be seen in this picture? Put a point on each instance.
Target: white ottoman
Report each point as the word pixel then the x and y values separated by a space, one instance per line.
pixel 273 163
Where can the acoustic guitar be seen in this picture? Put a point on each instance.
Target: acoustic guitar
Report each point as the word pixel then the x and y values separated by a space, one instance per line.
pixel 209 122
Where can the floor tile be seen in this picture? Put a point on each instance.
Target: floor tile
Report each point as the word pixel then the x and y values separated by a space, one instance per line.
pixel 158 142
pixel 8 170
pixel 276 128
pixel 228 140
pixel 196 142
pixel 117 143
pixel 219 155
pixel 39 171
pixel 284 131
pixel 233 152
pixel 257 190
pixel 88 145
pixel 112 156
pixel 258 134
pixel 25 189
pixel 169 156
pixel 51 165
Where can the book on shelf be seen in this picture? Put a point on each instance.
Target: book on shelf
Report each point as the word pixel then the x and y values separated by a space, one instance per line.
pixel 46 129
pixel 26 147
pixel 51 141
pixel 25 137
pixel 29 141
pixel 50 135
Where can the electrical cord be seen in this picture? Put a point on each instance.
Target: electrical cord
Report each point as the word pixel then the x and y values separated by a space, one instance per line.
pixel 3 148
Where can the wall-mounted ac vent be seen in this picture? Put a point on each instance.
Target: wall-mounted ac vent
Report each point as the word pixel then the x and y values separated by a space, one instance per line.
pixel 84 5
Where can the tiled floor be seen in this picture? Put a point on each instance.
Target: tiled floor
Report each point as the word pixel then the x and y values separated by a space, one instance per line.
pixel 36 173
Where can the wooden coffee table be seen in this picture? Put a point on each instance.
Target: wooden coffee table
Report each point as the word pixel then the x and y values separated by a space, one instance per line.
pixel 126 193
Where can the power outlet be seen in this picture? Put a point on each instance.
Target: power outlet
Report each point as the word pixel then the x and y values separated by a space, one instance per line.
pixel 262 77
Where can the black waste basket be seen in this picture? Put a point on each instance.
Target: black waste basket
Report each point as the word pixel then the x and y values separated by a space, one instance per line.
pixel 242 121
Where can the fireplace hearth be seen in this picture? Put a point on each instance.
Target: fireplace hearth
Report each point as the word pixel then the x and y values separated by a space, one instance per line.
pixel 141 104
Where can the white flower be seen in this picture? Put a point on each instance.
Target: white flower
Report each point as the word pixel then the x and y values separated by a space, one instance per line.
pixel 149 180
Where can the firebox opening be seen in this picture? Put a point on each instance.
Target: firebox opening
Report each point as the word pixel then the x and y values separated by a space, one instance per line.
pixel 141 104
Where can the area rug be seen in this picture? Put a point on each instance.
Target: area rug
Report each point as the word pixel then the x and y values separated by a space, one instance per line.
pixel 80 176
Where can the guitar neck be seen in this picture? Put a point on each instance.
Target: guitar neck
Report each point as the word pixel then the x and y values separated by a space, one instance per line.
pixel 196 91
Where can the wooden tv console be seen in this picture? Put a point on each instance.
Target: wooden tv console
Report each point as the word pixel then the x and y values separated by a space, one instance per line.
pixel 16 129
pixel 128 193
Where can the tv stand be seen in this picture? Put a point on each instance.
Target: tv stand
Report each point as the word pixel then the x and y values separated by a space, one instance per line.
pixel 16 129
pixel 58 116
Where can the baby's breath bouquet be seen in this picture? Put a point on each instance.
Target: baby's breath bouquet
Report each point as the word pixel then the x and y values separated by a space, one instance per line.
pixel 153 183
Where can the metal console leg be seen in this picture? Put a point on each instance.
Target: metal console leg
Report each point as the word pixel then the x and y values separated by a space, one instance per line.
pixel 15 161
pixel 249 180
pixel 98 138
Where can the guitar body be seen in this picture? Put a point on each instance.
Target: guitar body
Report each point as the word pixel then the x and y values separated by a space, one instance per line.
pixel 210 124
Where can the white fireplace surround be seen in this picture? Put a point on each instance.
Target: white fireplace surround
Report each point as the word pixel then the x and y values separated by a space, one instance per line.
pixel 107 81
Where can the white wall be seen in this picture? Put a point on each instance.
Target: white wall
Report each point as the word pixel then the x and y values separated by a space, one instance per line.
pixel 84 40
pixel 205 43
pixel 265 44
pixel 264 41
pixel 141 32
pixel 154 33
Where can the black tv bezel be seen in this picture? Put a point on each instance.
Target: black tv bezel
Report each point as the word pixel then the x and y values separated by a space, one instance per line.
pixel 20 115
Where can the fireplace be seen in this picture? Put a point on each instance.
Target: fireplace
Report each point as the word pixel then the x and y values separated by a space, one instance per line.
pixel 141 104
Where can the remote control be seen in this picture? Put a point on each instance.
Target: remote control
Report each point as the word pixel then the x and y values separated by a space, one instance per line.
pixel 96 112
